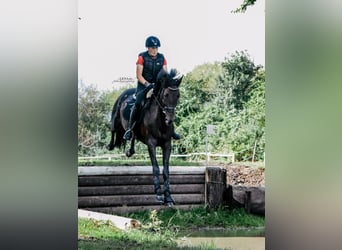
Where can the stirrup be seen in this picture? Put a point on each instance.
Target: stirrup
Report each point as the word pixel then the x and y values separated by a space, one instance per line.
pixel 128 135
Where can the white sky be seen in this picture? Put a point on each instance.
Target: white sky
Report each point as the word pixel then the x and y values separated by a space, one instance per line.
pixel 112 33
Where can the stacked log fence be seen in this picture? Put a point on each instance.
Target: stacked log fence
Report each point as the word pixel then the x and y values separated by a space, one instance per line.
pixel 129 189
pixel 118 190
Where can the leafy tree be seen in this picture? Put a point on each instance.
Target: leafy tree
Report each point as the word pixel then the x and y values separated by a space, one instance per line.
pixel 243 7
pixel 230 95
pixel 198 87
pixel 93 119
pixel 247 128
pixel 237 81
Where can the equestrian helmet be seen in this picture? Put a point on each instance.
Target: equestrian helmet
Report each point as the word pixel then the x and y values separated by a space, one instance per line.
pixel 152 41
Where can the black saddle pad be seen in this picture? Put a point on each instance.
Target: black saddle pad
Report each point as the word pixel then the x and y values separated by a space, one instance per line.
pixel 130 103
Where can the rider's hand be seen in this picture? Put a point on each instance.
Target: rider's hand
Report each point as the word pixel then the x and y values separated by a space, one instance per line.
pixel 149 86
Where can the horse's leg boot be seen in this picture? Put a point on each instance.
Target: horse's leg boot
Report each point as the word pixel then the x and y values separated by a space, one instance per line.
pixel 159 197
pixel 168 199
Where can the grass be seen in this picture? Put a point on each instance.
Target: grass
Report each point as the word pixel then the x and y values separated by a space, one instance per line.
pixel 160 229
pixel 203 217
pixel 104 235
pixel 95 235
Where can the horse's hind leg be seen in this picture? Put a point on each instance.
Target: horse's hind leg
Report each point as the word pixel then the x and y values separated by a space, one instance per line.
pixel 110 146
pixel 131 150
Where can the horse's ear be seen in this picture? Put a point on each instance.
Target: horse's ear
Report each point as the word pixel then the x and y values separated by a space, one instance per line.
pixel 180 80
pixel 176 76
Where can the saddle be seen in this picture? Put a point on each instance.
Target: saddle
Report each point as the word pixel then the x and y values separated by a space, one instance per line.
pixel 130 101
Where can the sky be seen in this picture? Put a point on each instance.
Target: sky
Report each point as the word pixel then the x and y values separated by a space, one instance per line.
pixel 112 33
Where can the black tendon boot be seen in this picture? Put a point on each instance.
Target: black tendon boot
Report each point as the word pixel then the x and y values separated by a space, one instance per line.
pixel 157 189
pixel 168 199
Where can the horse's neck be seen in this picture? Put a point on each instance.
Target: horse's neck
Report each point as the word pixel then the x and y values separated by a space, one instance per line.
pixel 155 114
pixel 155 110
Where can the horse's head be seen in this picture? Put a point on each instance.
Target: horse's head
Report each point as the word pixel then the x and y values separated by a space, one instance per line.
pixel 168 92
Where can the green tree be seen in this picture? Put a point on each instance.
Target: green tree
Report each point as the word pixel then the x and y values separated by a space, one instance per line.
pixel 230 95
pixel 238 80
pixel 93 119
pixel 243 7
pixel 247 127
pixel 197 88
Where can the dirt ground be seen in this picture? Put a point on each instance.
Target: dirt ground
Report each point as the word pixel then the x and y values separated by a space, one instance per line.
pixel 246 175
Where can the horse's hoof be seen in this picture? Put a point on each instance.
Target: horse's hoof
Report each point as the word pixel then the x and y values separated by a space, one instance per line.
pixel 160 199
pixel 130 153
pixel 110 147
pixel 170 204
pixel 169 201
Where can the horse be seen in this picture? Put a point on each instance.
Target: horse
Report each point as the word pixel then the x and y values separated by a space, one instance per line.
pixel 154 127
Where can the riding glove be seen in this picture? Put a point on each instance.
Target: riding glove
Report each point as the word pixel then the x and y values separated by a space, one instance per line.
pixel 149 86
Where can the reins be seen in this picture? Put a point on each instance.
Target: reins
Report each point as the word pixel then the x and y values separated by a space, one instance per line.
pixel 165 108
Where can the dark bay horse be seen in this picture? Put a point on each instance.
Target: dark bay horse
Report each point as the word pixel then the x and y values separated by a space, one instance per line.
pixel 153 128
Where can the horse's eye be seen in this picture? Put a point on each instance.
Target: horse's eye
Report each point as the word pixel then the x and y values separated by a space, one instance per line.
pixel 166 95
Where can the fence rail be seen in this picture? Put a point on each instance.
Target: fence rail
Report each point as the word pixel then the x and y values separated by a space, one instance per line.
pixel 109 157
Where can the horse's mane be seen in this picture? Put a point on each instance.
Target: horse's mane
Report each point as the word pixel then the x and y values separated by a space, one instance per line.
pixel 167 79
pixel 174 74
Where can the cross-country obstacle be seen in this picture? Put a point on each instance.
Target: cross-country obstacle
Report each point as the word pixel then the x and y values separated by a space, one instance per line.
pixel 118 190
pixel 128 189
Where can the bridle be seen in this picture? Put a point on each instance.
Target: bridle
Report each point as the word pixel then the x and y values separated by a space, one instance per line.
pixel 164 108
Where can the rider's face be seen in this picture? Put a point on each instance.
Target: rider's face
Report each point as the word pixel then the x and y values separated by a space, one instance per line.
pixel 152 51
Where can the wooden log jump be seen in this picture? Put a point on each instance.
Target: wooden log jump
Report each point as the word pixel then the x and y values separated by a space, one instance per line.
pixel 128 189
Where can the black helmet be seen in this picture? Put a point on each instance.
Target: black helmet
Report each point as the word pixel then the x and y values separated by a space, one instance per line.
pixel 152 41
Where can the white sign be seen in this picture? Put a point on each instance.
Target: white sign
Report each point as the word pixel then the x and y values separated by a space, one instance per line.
pixel 211 129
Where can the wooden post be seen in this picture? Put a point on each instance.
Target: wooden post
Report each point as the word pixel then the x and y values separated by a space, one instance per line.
pixel 215 186
pixel 248 201
pixel 254 149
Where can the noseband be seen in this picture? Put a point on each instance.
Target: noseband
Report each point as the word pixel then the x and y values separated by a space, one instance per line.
pixel 164 108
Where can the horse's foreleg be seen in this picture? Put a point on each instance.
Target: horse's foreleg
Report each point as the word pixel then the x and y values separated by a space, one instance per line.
pixel 110 146
pixel 166 157
pixel 131 150
pixel 156 172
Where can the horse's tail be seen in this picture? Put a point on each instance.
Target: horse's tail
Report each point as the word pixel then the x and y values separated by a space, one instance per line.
pixel 116 126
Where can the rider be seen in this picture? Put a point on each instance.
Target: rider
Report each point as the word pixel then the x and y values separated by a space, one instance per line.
pixel 149 64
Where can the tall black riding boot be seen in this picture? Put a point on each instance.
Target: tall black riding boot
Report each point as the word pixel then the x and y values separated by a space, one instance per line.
pixel 132 118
